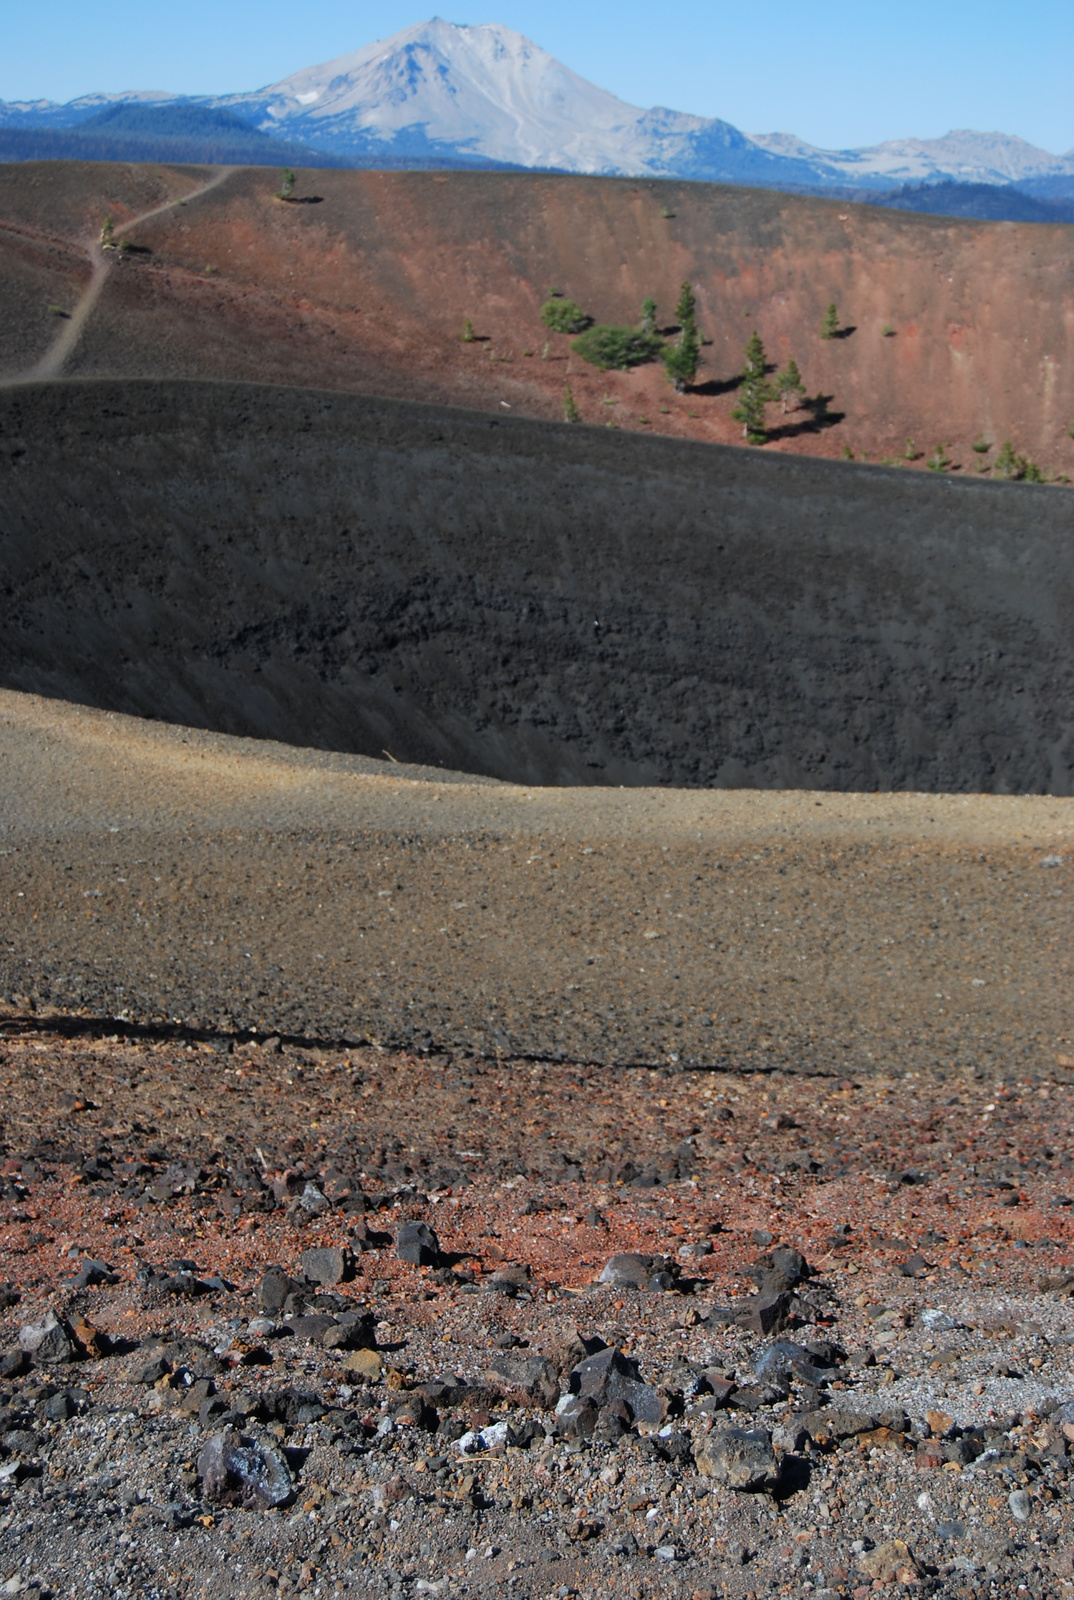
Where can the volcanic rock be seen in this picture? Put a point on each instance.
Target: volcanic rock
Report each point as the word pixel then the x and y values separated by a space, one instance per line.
pixel 889 1563
pixel 609 1375
pixel 417 1242
pixel 236 1471
pixel 525 1380
pixel 780 1269
pixel 639 1272
pixel 48 1341
pixel 763 1314
pixel 738 1459
pixel 328 1266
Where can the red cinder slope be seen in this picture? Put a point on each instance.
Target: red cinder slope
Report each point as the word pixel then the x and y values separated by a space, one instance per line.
pixel 366 286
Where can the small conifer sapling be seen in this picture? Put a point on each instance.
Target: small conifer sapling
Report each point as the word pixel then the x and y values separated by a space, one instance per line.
pixel 754 393
pixel 830 326
pixel 788 384
pixel 681 360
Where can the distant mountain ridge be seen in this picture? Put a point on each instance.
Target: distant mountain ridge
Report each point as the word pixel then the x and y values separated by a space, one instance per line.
pixel 441 93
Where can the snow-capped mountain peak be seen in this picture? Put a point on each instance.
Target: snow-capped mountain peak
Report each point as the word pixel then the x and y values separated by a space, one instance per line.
pixel 483 89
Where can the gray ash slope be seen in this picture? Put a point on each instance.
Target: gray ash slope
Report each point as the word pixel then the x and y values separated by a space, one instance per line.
pixel 527 601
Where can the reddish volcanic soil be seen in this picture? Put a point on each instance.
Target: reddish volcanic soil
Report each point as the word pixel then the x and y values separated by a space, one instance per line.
pixel 366 288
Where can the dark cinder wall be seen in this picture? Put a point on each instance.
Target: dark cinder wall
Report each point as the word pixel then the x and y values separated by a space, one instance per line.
pixel 531 601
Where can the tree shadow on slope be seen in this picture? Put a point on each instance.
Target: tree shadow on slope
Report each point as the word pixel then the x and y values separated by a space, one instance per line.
pixel 818 420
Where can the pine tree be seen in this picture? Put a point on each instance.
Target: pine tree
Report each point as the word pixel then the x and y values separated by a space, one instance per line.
pixel 648 316
pixel 467 332
pixel 571 412
pixel 754 394
pixel 788 382
pixel 830 326
pixel 287 184
pixel 686 310
pixel 681 360
pixel 107 239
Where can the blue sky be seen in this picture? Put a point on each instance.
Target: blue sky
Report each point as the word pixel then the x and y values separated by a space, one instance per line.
pixel 840 74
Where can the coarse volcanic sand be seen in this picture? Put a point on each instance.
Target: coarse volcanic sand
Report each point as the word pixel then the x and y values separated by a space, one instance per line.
pixel 366 284
pixel 136 1151
pixel 161 875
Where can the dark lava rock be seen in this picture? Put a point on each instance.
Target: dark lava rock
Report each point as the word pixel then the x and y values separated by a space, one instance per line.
pixel 48 1341
pixel 237 1471
pixel 639 1272
pixel 416 1242
pixel 784 1360
pixel 293 1406
pixel 312 1327
pixel 274 1289
pixel 779 1270
pixel 525 1380
pixel 578 1419
pixel 148 1369
pixel 355 1330
pixel 184 1285
pixel 13 1363
pixel 328 1266
pixel 91 1275
pixel 739 1459
pixel 763 1314
pixel 609 1375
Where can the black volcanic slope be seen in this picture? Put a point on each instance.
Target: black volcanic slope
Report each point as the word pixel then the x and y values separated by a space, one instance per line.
pixel 531 601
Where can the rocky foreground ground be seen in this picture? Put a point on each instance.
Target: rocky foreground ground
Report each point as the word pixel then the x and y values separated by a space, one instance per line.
pixel 283 1320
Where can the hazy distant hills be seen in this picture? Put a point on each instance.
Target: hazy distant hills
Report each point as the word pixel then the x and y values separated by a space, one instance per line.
pixel 440 94
pixel 149 131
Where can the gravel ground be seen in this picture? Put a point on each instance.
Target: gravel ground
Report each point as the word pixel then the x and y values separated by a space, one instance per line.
pixel 916 1444
pixel 157 874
